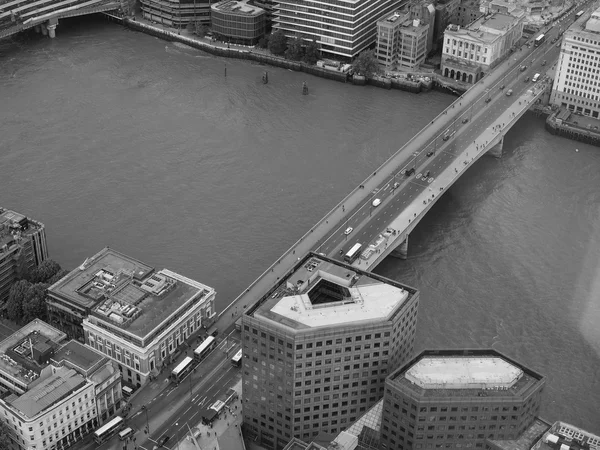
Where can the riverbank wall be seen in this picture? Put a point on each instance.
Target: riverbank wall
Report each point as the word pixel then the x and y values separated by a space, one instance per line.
pixel 414 86
pixel 558 125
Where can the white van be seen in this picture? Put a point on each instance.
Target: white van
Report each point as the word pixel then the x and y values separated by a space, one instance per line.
pixel 126 433
pixel 535 78
pixel 376 202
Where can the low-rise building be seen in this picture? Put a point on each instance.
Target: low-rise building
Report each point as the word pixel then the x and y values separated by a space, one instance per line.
pixel 470 53
pixel 175 13
pixel 318 347
pixel 468 11
pixel 22 248
pixel 562 436
pixel 238 21
pixel 54 393
pixel 140 316
pixel 458 398
pixel 401 41
pixel 575 86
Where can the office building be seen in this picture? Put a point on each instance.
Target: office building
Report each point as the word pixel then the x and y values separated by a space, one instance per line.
pixel 576 86
pixel 176 13
pixel 562 436
pixel 318 347
pixel 22 248
pixel 135 315
pixel 53 393
pixel 470 53
pixel 458 398
pixel 238 21
pixel 343 28
pixel 446 13
pixel 401 41
pixel 468 11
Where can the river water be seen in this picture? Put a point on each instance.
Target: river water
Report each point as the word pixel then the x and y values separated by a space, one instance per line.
pixel 114 138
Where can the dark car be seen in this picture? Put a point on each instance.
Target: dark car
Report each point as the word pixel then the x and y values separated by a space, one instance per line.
pixel 465 120
pixel 163 440
pixel 429 154
pixel 410 171
pixel 489 99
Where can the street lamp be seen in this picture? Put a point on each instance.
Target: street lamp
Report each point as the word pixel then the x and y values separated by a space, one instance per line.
pixel 147 423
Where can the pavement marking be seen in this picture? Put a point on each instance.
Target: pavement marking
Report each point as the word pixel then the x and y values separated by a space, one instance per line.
pixel 170 392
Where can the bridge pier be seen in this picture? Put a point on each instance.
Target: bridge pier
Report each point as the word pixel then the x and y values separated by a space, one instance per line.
pixel 401 252
pixel 44 29
pixel 496 150
pixel 52 31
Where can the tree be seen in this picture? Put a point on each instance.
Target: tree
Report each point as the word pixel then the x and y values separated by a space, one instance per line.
pixel 294 50
pixel 366 64
pixel 46 270
pixel 277 43
pixel 5 432
pixel 16 299
pixel 311 53
pixel 57 276
pixel 200 29
pixel 34 306
pixel 263 42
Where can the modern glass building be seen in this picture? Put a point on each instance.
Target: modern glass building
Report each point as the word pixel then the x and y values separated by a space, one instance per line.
pixel 238 21
pixel 177 14
pixel 343 28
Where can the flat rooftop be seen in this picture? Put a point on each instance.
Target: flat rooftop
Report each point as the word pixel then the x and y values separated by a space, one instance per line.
pixel 241 7
pixel 78 355
pixel 79 286
pixel 526 440
pixel 463 373
pixel 47 392
pixel 497 21
pixel 19 351
pixel 320 292
pixel 140 307
pixel 12 224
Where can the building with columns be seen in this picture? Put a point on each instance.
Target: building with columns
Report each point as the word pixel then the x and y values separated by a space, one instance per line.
pixel 22 248
pixel 52 392
pixel 576 83
pixel 469 53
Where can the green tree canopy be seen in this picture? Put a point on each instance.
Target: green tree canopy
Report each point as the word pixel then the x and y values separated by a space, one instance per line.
pixel 277 43
pixel 46 270
pixel 366 64
pixel 16 298
pixel 57 276
pixel 294 51
pixel 311 53
pixel 263 42
pixel 34 305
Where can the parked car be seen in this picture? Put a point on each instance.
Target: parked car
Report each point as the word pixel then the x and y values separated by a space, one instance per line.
pixel 163 440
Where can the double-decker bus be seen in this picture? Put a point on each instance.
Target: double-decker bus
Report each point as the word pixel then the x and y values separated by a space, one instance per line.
pixel 237 359
pixel 205 348
pixel 353 253
pixel 182 369
pixel 540 40
pixel 108 430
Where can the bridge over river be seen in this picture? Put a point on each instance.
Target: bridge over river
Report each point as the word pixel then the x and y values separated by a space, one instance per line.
pixel 474 125
pixel 43 15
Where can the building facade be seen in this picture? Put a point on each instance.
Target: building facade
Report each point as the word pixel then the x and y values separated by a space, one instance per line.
pixel 576 86
pixel 318 346
pixel 468 12
pixel 458 398
pixel 343 28
pixel 62 390
pixel 177 14
pixel 470 53
pixel 446 13
pixel 22 248
pixel 238 21
pixel 401 41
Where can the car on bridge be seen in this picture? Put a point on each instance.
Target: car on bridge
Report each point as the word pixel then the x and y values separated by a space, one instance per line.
pixel 509 92
pixel 523 68
pixel 465 120
pixel 348 231
pixel 430 154
pixel 376 202
pixel 396 185
pixel 489 99
pixel 410 171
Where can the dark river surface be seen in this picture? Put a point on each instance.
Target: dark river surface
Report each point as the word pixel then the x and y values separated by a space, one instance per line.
pixel 114 138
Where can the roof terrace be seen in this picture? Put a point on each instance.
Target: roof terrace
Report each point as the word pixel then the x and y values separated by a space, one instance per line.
pixel 240 7
pixel 320 292
pixel 78 356
pixel 27 351
pixel 14 225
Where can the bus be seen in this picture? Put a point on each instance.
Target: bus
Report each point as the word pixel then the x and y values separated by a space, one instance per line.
pixel 353 253
pixel 540 40
pixel 237 359
pixel 127 392
pixel 108 430
pixel 579 14
pixel 126 433
pixel 205 348
pixel 182 369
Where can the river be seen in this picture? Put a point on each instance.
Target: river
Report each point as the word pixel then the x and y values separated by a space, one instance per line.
pixel 114 138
